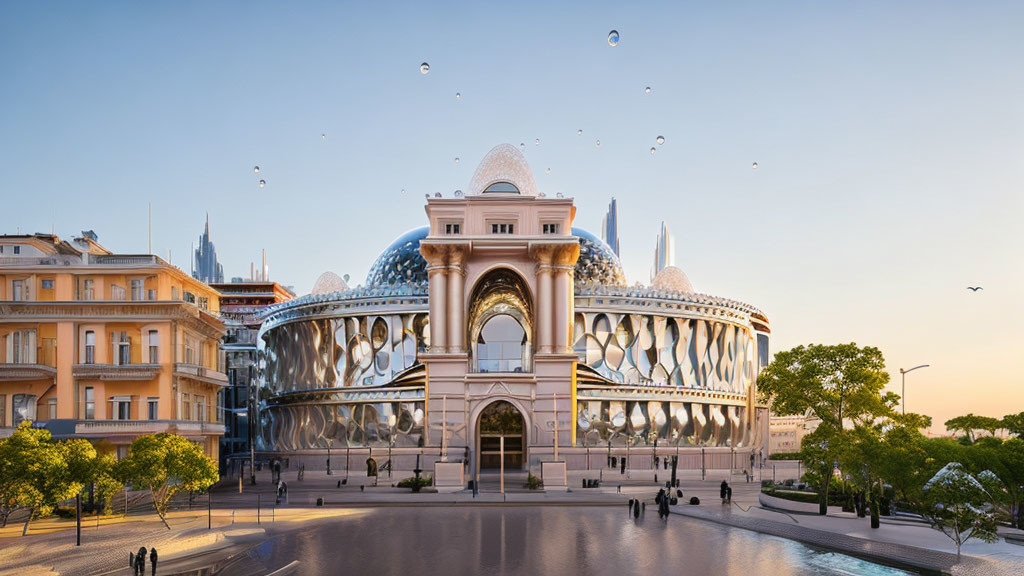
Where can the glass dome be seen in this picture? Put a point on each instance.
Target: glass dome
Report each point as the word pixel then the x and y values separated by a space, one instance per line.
pixel 401 263
pixel 598 264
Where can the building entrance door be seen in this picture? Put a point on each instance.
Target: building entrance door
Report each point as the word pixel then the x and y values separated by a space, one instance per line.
pixel 501 420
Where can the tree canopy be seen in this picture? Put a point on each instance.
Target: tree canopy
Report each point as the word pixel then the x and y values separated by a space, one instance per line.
pixel 165 464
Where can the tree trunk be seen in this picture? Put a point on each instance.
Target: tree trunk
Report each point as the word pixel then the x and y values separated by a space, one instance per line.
pixel 31 512
pixel 823 503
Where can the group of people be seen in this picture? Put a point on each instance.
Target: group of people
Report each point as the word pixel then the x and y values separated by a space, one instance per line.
pixel 725 491
pixel 137 560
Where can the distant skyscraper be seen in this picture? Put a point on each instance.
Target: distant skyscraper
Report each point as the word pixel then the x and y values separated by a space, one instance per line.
pixel 664 252
pixel 205 266
pixel 610 227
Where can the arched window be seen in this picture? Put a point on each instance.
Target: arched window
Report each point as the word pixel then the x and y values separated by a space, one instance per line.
pixel 500 346
pixel 502 187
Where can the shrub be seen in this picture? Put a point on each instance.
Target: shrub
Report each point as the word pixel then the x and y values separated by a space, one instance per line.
pixel 532 482
pixel 786 456
pixel 416 484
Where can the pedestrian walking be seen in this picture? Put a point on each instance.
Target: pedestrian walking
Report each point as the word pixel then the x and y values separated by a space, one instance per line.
pixel 152 559
pixel 659 499
pixel 140 560
pixel 722 489
pixel 728 494
pixel 636 510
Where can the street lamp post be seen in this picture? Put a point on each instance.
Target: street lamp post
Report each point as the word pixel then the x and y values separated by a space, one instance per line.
pixel 903 386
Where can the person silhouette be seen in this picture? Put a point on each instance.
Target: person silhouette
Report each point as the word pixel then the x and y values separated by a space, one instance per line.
pixel 140 560
pixel 152 559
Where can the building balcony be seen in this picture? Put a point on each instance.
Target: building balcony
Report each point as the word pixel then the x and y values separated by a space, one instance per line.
pixel 200 373
pixel 17 372
pixel 91 428
pixel 116 371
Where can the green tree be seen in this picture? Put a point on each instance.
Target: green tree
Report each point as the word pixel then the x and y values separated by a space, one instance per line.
pixel 1014 424
pixel 954 502
pixel 970 424
pixel 36 474
pixel 834 383
pixel 165 464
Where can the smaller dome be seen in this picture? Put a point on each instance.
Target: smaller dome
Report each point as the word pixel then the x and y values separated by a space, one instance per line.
pixel 672 278
pixel 504 170
pixel 597 265
pixel 328 282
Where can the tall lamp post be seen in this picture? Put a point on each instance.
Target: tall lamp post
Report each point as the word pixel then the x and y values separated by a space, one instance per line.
pixel 903 385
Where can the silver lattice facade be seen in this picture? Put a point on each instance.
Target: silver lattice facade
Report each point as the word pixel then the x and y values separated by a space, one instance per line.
pixel 499 323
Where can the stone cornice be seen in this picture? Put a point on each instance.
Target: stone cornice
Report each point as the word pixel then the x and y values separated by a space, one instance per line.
pixel 13 372
pixel 113 311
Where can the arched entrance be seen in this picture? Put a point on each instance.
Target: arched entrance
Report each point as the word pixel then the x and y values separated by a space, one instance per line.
pixel 501 420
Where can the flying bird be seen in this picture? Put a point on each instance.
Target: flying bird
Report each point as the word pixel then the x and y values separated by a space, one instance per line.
pixel 974 288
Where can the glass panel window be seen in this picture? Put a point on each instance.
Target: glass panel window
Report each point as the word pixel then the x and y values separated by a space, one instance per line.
pixel 47 284
pixel 550 228
pixel 90 347
pixel 453 228
pixel 117 292
pixel 121 345
pixel 500 345
pixel 18 291
pixel 90 403
pixel 137 289
pixel 3 409
pixel 88 289
pixel 51 406
pixel 153 411
pixel 123 410
pixel 23 407
pixel 154 348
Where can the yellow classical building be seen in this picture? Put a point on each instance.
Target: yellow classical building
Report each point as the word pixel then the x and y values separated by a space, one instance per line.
pixel 106 346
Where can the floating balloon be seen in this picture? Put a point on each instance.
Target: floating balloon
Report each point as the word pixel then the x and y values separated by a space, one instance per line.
pixel 613 38
pixel 424 68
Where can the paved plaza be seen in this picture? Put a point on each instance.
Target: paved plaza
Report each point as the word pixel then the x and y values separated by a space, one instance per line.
pixel 366 522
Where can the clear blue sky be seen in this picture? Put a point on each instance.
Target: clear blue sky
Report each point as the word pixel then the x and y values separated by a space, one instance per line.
pixel 889 137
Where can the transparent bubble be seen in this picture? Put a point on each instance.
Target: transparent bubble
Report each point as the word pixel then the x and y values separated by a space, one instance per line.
pixel 437 194
pixel 547 170
pixel 754 167
pixel 537 141
pixel 598 143
pixel 424 68
pixel 403 190
pixel 579 132
pixel 647 90
pixel 256 169
pixel 661 140
pixel 653 150
pixel 613 38
pixel 522 145
pixel 458 95
pixel 456 159
pixel 263 183
pixel 323 137
pixel 458 194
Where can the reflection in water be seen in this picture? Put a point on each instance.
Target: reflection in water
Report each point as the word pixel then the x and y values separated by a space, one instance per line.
pixel 538 540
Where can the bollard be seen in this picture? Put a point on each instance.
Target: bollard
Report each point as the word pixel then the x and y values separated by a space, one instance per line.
pixel 320 501
pixel 257 508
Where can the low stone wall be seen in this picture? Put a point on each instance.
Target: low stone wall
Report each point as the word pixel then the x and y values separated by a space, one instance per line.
pixel 791 505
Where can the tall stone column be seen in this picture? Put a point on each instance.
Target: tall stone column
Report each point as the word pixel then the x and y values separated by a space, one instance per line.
pixel 563 301
pixel 456 307
pixel 438 307
pixel 545 306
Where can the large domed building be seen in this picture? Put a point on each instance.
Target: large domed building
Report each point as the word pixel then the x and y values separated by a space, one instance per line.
pixel 501 324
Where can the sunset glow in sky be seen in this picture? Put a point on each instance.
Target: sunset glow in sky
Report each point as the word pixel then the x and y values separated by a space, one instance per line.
pixel 889 140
